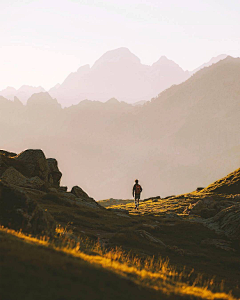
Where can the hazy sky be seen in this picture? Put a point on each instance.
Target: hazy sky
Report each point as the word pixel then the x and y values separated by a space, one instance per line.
pixel 42 41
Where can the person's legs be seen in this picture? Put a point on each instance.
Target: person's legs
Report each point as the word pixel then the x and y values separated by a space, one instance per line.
pixel 137 201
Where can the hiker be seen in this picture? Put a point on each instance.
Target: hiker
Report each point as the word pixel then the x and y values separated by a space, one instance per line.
pixel 137 189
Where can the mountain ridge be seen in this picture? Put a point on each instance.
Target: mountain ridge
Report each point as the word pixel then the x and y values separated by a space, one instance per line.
pixel 189 128
pixel 142 82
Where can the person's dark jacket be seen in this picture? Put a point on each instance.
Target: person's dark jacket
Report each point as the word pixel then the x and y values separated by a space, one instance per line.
pixel 134 188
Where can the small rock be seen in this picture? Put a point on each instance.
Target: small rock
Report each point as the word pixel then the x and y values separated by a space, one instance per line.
pixel 79 193
pixel 63 188
pixel 148 236
pixel 122 215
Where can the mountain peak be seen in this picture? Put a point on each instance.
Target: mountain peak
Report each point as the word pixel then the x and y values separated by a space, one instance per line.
pixel 215 59
pixel 116 56
pixel 112 101
pixel 43 99
pixel 9 89
pixel 163 60
pixel 26 88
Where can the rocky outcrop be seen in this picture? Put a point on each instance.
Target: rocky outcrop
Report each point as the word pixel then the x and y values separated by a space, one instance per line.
pixel 12 176
pixel 211 204
pixel 30 168
pixel 7 154
pixel 35 163
pixel 54 175
pixel 18 211
pixel 227 221
pixel 205 208
pixel 28 178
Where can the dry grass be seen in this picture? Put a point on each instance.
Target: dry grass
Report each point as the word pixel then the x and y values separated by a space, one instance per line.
pixel 154 273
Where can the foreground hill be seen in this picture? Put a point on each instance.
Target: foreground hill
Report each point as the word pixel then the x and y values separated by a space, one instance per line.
pixel 79 248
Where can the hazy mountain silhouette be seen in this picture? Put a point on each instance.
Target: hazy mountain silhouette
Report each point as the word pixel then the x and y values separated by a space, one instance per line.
pixel 213 60
pixel 23 93
pixel 118 73
pixel 186 137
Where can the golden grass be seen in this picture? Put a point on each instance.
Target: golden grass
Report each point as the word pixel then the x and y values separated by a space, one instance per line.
pixel 153 273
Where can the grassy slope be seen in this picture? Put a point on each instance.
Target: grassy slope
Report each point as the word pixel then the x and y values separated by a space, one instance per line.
pixel 226 185
pixel 45 273
pixel 38 269
pixel 42 271
pixel 185 240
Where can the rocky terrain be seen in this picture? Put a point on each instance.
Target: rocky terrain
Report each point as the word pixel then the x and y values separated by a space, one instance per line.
pixel 196 231
pixel 26 178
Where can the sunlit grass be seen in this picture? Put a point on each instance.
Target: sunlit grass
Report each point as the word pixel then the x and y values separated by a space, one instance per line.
pixel 155 273
pixel 159 207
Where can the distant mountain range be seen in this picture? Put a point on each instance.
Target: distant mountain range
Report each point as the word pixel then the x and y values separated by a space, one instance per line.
pixel 118 73
pixel 23 93
pixel 186 137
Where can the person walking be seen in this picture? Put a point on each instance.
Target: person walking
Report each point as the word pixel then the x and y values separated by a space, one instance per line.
pixel 137 189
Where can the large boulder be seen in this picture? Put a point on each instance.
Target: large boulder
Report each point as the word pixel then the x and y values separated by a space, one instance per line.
pixel 12 176
pixel 7 159
pixel 227 221
pixel 54 175
pixel 205 208
pixel 83 198
pixel 19 211
pixel 35 163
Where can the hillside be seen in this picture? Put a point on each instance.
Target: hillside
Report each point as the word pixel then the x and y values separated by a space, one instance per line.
pixel 78 248
pixel 227 185
pixel 187 137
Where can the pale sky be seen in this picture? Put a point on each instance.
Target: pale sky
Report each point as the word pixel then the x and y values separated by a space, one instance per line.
pixel 42 41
